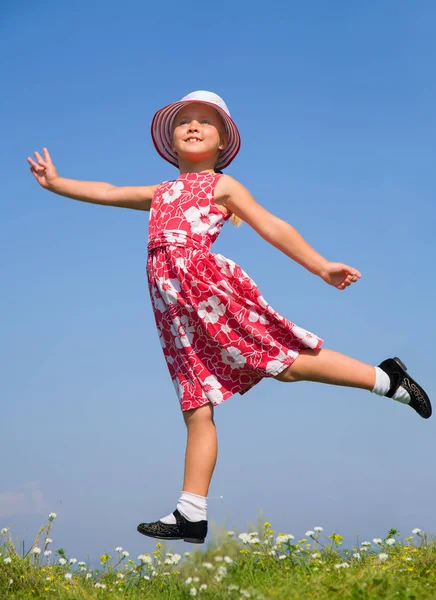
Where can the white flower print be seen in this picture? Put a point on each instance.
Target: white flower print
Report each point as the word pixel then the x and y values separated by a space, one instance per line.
pixel 182 331
pixel 232 356
pixel 168 288
pixel 173 193
pixel 181 263
pixel 277 365
pixel 159 304
pixel 264 304
pixel 306 336
pixel 225 329
pixel 212 388
pixel 161 339
pixel 179 388
pixel 175 236
pixel 211 310
pixel 253 317
pixel 200 219
pixel 227 266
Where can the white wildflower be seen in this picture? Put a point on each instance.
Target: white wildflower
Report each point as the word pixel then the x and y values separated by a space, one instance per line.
pixel 377 541
pixel 244 537
pixel 47 552
pixel 415 531
pixel 5 530
pixel 218 558
pixel 196 579
pixel 125 553
pixel 233 588
pixel 188 581
pixel 62 561
pixel 120 575
pixel 83 569
pixel 316 555
pixel 81 564
pixel 408 558
pixel 390 541
pixel 245 594
pixel 343 565
pixel 36 550
pixel 119 549
pixel 282 556
pixel 357 555
pixel 68 575
pixel 208 565
pixel 228 560
pixel 364 549
pixel 203 586
pixel 187 554
pixel 145 558
pixel 147 578
pixel 230 533
pixel 48 541
pixel 284 538
pixel 309 533
pixel 318 529
pixel 73 561
pixel 193 591
pixel 7 560
pixel 88 576
pixel 383 556
pixel 367 544
pixel 52 516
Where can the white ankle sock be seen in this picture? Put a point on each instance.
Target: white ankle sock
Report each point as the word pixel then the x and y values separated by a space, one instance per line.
pixel 383 383
pixel 191 506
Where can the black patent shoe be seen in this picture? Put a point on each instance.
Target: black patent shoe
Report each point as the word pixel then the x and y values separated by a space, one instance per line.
pixel 183 529
pixel 397 372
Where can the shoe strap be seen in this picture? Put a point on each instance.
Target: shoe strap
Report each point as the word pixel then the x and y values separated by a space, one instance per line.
pixel 180 519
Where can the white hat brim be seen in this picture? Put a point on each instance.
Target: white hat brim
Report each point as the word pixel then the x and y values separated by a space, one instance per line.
pixel 162 134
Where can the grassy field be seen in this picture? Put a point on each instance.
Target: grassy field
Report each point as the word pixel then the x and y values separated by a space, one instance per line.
pixel 257 565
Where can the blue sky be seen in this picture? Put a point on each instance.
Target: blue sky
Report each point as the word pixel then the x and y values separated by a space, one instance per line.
pixel 335 104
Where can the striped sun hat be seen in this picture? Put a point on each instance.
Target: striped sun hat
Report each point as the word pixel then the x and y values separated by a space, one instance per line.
pixel 162 128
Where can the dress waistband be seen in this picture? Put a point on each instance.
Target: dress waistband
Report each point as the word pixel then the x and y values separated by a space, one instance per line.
pixel 177 237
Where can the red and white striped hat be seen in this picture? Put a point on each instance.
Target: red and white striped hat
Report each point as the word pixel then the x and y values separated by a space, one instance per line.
pixel 162 128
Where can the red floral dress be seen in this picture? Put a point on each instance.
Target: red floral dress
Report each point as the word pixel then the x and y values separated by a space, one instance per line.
pixel 218 334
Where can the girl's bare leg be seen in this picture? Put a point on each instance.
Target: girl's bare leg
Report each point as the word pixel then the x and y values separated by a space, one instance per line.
pixel 201 450
pixel 328 366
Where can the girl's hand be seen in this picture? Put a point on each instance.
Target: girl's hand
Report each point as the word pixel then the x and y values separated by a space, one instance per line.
pixel 338 275
pixel 43 170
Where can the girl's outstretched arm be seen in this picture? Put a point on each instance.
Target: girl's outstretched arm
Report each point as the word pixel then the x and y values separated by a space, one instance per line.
pixel 136 197
pixel 238 200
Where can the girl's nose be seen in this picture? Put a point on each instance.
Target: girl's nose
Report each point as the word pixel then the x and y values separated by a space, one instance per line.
pixel 193 126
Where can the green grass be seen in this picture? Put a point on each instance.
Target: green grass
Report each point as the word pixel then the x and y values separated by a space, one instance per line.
pixel 252 565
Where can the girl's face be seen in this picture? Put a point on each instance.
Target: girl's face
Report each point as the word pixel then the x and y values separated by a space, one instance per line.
pixel 198 134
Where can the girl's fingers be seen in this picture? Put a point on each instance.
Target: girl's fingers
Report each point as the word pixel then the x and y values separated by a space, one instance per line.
pixel 39 159
pixel 47 156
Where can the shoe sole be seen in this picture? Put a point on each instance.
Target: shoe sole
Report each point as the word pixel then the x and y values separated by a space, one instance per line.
pixel 173 539
pixel 423 406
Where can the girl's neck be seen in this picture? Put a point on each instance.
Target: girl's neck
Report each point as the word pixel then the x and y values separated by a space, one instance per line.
pixel 201 167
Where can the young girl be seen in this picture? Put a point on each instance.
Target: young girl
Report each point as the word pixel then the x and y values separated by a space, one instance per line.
pixel 218 334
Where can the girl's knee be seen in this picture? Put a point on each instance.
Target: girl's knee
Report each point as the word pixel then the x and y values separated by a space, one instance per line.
pixel 201 415
pixel 287 375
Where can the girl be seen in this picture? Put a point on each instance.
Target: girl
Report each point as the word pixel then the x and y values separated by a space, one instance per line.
pixel 218 334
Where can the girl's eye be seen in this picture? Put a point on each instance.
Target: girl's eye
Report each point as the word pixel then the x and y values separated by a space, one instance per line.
pixel 183 122
pixel 205 122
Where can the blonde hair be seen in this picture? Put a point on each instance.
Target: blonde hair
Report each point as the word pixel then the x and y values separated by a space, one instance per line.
pixel 236 221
